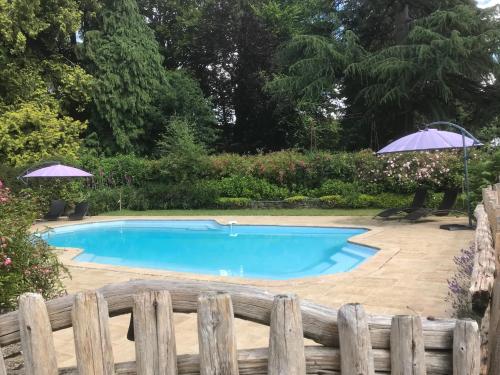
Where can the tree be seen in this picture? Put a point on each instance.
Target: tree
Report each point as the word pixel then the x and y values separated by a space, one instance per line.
pixel 43 95
pixel 33 133
pixel 444 66
pixel 123 57
pixel 446 69
pixel 183 158
pixel 182 100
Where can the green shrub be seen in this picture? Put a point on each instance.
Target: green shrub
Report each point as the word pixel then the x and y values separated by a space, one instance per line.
pixel 330 201
pixel 226 165
pixel 202 194
pixel 226 202
pixel 433 199
pixel 249 187
pixel 186 177
pixel 183 158
pixel 336 187
pixel 296 199
pixel 27 264
pixel 363 201
pixel 104 200
pixel 120 170
pixel 388 200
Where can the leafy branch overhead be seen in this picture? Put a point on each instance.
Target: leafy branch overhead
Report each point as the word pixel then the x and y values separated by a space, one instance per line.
pixel 248 76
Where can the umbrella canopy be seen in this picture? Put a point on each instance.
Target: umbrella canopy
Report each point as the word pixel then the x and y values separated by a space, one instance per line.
pixel 429 139
pixel 58 170
pixel 434 139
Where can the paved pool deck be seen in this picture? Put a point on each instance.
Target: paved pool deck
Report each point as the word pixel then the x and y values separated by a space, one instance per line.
pixel 407 275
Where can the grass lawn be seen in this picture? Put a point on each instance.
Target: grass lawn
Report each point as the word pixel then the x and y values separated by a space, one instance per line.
pixel 250 212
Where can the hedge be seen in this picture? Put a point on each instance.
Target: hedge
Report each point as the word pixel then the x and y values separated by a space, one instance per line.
pixel 350 180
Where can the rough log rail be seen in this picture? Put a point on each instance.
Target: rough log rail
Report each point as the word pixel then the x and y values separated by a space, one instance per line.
pixel 485 283
pixel 358 344
pixel 249 303
pixel 483 271
pixel 491 203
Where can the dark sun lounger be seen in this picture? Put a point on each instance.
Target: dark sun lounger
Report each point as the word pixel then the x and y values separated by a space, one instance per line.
pixel 81 210
pixel 444 208
pixel 56 209
pixel 417 203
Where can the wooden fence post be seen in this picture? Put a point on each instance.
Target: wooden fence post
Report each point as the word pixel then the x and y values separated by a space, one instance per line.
pixel 286 338
pixel 218 354
pixel 407 346
pixel 3 371
pixel 155 352
pixel 356 355
pixel 466 348
pixel 36 336
pixel 494 330
pixel 94 354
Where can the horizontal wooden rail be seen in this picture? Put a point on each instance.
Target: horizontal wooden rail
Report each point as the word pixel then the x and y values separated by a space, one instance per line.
pixel 249 303
pixel 483 270
pixel 319 360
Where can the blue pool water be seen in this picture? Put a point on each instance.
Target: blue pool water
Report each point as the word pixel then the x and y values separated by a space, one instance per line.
pixel 206 247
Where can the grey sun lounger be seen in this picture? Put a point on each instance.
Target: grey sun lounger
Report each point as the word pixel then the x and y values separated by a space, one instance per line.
pixel 56 209
pixel 444 208
pixel 81 210
pixel 417 203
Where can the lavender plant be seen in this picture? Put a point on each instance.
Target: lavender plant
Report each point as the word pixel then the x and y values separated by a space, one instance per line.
pixel 459 284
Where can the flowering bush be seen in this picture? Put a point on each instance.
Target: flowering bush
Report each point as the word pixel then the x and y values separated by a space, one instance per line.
pixel 459 284
pixel 436 170
pixel 27 264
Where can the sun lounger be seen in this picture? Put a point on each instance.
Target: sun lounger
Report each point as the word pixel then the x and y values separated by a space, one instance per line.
pixel 81 210
pixel 56 210
pixel 444 208
pixel 417 203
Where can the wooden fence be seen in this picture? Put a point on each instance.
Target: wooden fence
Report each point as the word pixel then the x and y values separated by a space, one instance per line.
pixel 350 342
pixel 485 283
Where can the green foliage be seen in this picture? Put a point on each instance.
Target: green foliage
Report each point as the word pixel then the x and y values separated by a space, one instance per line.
pixel 330 201
pixel 27 264
pixel 250 187
pixel 484 171
pixel 32 133
pixel 120 170
pixel 296 199
pixel 336 187
pixel 123 57
pixel 190 104
pixel 437 71
pixel 405 171
pixel 233 202
pixel 183 158
pixel 186 178
pixel 43 95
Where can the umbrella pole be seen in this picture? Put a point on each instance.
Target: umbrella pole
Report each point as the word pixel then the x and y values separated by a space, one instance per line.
pixel 466 180
pixel 466 168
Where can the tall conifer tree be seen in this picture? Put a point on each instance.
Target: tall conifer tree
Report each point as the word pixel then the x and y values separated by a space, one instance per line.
pixel 124 58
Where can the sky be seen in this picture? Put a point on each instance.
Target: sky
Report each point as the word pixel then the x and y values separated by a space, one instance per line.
pixel 487 3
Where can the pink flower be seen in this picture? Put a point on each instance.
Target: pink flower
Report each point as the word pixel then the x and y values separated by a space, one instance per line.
pixel 7 262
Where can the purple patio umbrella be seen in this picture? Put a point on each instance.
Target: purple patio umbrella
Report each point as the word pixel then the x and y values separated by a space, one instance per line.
pixel 429 139
pixel 57 171
pixel 433 139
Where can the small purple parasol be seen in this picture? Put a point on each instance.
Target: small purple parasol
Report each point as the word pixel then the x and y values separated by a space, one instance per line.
pixel 57 171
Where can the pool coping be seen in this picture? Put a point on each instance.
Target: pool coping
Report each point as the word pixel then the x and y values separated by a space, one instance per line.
pixel 67 255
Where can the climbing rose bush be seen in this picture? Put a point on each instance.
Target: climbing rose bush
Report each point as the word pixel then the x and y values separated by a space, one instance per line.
pixel 437 170
pixel 27 264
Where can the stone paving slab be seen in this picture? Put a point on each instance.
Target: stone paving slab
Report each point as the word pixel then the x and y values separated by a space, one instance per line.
pixel 406 276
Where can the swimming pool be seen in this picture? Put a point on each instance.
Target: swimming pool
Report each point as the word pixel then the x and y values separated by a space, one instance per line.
pixel 207 247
